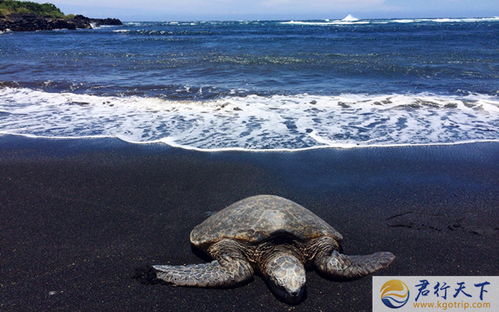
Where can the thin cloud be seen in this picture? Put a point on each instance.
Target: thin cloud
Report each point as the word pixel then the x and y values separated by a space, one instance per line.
pixel 324 4
pixel 245 6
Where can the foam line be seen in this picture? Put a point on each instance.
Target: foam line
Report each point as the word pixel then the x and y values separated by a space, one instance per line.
pixel 388 21
pixel 168 142
pixel 279 122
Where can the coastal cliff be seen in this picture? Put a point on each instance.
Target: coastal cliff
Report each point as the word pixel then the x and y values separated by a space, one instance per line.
pixel 30 16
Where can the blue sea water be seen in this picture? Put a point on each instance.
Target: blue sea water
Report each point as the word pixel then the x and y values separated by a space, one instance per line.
pixel 257 85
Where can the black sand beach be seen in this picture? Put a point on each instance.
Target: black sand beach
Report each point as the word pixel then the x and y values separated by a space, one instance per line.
pixel 78 216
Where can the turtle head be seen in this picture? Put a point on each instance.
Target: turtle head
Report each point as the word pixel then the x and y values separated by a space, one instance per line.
pixel 286 276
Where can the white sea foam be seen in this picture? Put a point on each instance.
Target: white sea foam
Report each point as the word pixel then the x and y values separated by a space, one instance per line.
pixel 325 23
pixel 466 20
pixel 350 20
pixel 446 20
pixel 403 21
pixel 134 23
pixel 254 122
pixel 143 32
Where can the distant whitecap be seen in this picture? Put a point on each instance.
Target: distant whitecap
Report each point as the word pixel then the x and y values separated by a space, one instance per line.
pixel 350 18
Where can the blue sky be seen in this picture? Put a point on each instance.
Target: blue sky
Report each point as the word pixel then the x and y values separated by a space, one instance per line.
pixel 153 10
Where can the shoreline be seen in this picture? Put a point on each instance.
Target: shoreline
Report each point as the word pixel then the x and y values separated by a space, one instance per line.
pixel 78 216
pixel 169 143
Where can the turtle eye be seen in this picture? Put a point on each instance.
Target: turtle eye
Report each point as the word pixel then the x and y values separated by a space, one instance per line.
pixel 340 248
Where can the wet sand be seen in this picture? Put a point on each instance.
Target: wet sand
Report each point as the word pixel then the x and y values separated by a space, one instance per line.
pixel 78 216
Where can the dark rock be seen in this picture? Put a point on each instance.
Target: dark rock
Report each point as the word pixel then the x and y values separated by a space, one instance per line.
pixel 62 24
pixel 19 22
pixel 343 104
pixel 82 21
pixel 106 21
pixel 33 22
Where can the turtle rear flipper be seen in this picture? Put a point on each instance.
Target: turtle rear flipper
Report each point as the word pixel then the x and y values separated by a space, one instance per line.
pixel 340 265
pixel 211 274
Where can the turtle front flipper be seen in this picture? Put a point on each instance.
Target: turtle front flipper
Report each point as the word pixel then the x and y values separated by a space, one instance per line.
pixel 340 265
pixel 211 274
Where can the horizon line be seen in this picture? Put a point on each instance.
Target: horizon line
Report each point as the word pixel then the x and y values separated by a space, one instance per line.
pixel 300 19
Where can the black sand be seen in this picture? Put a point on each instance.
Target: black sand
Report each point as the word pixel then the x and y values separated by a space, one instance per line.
pixel 78 216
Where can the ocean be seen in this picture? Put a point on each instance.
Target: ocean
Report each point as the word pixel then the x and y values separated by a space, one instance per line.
pixel 257 85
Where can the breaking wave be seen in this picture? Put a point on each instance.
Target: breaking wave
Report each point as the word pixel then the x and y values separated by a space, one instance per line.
pixel 279 122
pixel 355 21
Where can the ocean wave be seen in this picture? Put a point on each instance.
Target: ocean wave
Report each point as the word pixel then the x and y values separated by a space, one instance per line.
pixel 355 21
pixel 156 32
pixel 350 18
pixel 461 20
pixel 325 23
pixel 404 21
pixel 279 122
pixel 135 23
pixel 143 32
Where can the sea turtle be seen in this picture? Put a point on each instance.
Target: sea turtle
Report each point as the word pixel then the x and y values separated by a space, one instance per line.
pixel 274 236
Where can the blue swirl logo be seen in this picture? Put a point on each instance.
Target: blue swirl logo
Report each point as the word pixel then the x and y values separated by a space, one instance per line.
pixel 394 294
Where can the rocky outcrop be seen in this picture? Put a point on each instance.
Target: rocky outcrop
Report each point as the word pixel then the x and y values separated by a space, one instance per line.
pixel 83 21
pixel 106 21
pixel 32 22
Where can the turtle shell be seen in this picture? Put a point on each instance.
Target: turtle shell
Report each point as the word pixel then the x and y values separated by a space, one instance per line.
pixel 260 217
